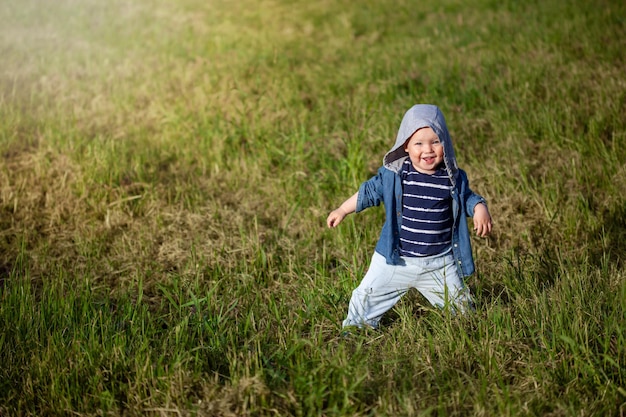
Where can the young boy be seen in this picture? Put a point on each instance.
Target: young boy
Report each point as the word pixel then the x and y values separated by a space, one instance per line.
pixel 424 242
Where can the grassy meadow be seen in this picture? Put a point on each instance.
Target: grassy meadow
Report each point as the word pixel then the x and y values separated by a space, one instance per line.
pixel 166 169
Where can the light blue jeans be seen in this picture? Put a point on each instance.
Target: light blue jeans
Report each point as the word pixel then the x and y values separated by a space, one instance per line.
pixel 435 277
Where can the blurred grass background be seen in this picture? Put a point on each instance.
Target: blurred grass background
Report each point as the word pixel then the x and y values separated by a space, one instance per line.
pixel 167 167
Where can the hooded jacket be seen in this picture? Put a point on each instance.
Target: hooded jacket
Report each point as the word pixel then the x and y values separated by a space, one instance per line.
pixel 386 187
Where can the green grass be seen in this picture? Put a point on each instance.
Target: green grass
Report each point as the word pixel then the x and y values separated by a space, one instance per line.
pixel 166 169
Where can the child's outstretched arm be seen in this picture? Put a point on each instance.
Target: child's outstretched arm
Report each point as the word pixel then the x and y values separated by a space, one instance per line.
pixel 482 220
pixel 336 216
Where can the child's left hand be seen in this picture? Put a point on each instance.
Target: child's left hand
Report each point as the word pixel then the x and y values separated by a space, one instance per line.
pixel 482 220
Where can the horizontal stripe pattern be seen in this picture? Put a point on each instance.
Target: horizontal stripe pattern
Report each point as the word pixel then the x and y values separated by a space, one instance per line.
pixel 426 212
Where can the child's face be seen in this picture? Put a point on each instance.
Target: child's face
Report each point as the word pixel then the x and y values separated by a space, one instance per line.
pixel 425 150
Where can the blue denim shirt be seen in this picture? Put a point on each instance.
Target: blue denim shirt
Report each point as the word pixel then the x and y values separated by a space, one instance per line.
pixel 386 187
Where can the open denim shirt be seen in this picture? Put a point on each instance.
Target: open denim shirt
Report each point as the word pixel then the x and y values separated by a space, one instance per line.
pixel 386 187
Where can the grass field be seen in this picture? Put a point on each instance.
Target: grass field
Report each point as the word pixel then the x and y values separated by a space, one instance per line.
pixel 166 169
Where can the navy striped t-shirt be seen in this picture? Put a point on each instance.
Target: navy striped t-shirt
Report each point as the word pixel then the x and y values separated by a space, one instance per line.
pixel 426 212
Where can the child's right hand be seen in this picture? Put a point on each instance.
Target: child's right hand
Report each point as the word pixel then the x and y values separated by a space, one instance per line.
pixel 335 217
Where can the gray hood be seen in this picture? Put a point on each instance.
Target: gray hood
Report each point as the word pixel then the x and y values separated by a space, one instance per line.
pixel 417 117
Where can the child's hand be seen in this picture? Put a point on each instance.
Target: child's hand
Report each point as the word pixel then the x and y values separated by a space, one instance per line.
pixel 335 217
pixel 482 220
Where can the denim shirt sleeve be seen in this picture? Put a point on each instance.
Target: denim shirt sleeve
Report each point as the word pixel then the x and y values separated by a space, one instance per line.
pixel 370 192
pixel 462 247
pixel 469 197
